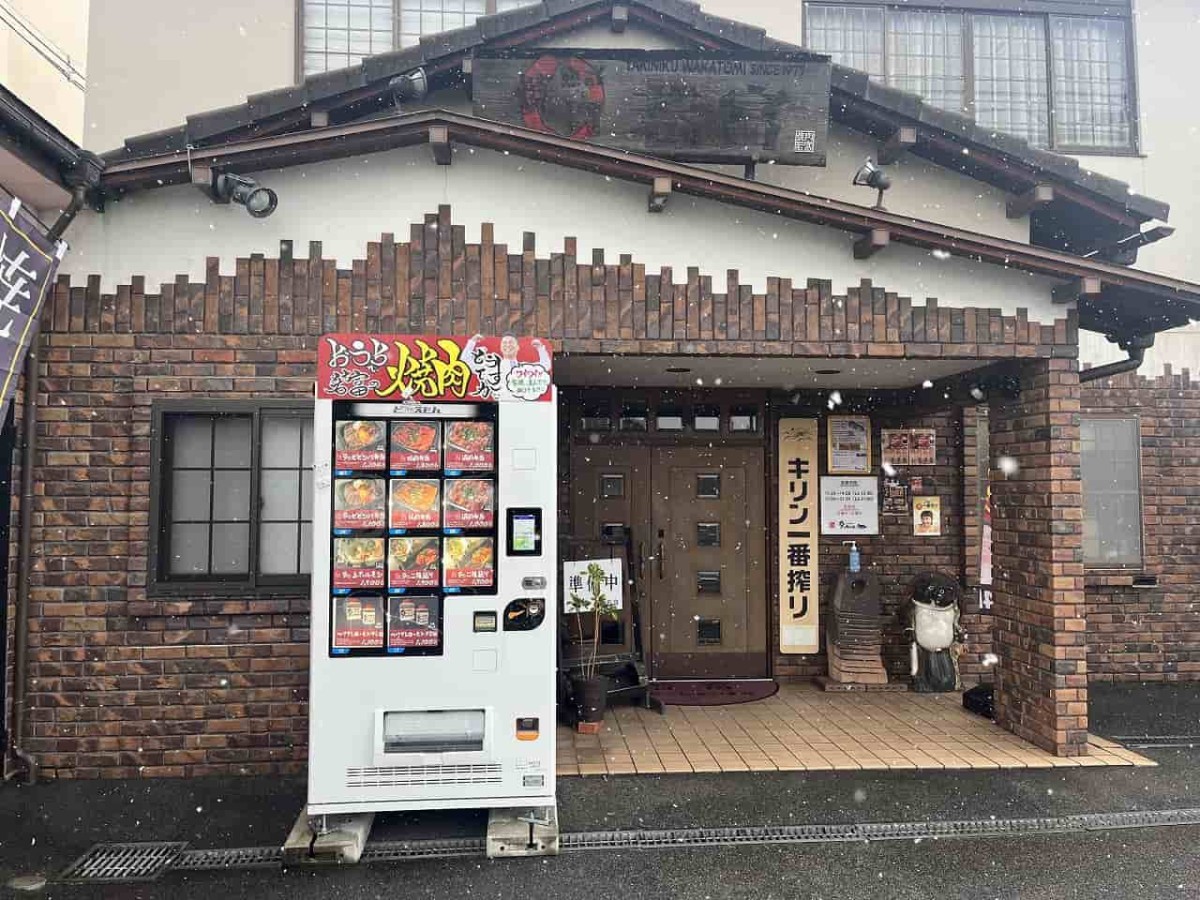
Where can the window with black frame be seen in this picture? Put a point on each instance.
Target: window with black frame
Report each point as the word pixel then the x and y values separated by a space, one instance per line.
pixel 231 496
pixel 1063 82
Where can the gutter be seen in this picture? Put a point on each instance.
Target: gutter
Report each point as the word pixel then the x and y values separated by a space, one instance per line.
pixel 83 178
pixel 1135 346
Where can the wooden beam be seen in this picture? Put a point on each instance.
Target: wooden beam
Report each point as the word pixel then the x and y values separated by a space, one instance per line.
pixel 620 18
pixel 1035 198
pixel 902 140
pixel 660 192
pixel 871 243
pixel 202 177
pixel 439 141
pixel 1079 288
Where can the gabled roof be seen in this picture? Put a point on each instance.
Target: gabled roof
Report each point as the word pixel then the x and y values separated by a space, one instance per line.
pixel 1112 299
pixel 946 138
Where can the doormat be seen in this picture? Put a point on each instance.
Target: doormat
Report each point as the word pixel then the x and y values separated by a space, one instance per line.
pixel 711 693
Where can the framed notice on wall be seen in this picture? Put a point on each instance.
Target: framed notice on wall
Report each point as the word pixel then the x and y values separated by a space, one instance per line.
pixel 849 505
pixel 849 445
pixel 799 546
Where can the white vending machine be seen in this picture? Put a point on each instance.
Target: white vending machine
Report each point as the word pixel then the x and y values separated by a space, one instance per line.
pixel 434 636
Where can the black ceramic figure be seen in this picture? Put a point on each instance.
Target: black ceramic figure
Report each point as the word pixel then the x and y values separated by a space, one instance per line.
pixel 933 622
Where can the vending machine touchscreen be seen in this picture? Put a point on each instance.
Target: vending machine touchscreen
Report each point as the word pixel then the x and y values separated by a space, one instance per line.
pixel 435 471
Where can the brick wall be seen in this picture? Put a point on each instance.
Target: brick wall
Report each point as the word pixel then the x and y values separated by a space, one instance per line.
pixel 895 555
pixel 125 684
pixel 1153 634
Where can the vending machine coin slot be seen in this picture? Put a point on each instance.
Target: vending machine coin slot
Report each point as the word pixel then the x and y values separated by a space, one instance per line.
pixel 524 614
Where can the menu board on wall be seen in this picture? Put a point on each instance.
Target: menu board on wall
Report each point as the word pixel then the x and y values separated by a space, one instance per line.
pixel 849 445
pixel 413 521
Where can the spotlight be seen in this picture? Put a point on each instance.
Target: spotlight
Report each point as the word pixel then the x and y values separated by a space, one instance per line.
pixel 408 87
pixel 259 201
pixel 869 175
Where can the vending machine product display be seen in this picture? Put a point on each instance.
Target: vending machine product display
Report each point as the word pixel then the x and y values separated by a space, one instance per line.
pixel 433 628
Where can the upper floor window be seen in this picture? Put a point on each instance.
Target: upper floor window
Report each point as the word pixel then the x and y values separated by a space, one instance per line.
pixel 1063 82
pixel 340 33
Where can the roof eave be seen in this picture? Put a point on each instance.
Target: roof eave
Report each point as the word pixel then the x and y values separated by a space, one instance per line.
pixel 1165 298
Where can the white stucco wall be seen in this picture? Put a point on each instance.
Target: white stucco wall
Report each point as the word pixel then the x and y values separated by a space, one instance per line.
pixel 344 204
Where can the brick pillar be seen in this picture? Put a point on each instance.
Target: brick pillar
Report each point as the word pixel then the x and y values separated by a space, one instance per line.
pixel 1037 560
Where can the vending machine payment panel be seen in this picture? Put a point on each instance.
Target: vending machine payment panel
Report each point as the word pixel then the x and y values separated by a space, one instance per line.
pixel 433 622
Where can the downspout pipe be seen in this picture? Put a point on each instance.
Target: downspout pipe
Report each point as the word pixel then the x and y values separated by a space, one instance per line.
pixel 24 558
pixel 83 178
pixel 1135 346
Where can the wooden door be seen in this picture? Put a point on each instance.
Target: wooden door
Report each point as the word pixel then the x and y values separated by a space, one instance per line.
pixel 706 574
pixel 610 485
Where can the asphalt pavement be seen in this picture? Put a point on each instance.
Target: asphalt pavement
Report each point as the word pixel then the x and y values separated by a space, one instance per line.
pixel 45 827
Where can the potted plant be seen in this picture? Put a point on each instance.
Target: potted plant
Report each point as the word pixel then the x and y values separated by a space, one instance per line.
pixel 588 686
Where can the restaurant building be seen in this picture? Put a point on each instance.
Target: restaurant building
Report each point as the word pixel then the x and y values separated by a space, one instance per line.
pixel 741 340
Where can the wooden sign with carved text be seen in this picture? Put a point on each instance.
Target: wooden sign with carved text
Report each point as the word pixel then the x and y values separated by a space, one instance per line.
pixel 687 105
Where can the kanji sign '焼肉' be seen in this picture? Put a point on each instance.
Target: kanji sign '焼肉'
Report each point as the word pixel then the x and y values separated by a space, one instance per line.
pixel 402 367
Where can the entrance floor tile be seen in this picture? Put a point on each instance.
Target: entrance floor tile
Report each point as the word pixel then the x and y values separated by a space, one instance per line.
pixel 803 728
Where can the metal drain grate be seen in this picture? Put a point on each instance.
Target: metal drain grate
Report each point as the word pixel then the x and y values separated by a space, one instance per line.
pixel 145 862
pixel 389 851
pixel 1159 741
pixel 887 831
pixel 230 858
pixel 111 863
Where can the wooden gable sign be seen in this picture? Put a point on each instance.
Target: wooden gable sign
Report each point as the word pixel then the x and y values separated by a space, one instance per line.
pixel 688 105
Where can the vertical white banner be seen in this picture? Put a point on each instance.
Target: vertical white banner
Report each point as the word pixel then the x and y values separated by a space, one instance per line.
pixel 799 544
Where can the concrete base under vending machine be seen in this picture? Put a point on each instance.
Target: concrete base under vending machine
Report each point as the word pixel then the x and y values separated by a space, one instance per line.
pixel 523 831
pixel 327 840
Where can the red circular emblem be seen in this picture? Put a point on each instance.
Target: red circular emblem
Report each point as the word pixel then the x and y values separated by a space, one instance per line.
pixel 563 96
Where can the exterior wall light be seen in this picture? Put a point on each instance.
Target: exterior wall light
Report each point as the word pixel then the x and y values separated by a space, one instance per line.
pixel 259 201
pixel 411 86
pixel 869 175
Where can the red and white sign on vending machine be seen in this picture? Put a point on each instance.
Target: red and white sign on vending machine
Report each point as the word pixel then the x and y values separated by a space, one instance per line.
pixel 433 564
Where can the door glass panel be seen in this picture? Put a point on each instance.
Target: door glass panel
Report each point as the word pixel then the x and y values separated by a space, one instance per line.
pixel 708 582
pixel 708 534
pixel 708 486
pixel 708 631
pixel 596 417
pixel 743 418
pixel 635 415
pixel 612 485
pixel 706 418
pixel 669 418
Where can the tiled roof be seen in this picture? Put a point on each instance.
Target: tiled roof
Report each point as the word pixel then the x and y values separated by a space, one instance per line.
pixel 1001 159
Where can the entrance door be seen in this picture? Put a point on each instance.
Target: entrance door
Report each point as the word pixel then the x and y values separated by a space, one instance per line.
pixel 697 521
pixel 707 583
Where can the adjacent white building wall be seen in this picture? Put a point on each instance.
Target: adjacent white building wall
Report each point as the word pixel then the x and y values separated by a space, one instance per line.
pixel 1167 34
pixel 43 58
pixel 153 63
pixel 344 204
